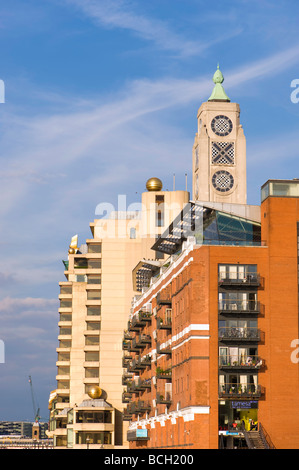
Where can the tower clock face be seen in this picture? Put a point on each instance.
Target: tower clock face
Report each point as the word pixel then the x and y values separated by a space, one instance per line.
pixel 221 125
pixel 222 181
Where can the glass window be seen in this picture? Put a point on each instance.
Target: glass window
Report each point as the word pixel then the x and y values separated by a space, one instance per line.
pixel 92 356
pixel 92 372
pixel 94 248
pixel 93 295
pixel 65 289
pixel 94 264
pixel 92 340
pixel 65 304
pixel 93 325
pixel 65 331
pixel 94 310
pixel 93 279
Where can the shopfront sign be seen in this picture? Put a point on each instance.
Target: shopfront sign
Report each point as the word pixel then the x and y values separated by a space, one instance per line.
pixel 244 405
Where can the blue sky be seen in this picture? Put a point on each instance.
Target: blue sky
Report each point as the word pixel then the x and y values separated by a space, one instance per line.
pixel 99 96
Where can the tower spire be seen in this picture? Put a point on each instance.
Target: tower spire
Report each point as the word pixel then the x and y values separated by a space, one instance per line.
pixel 218 93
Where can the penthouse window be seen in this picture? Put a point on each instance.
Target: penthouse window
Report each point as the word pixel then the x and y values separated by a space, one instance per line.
pixel 159 211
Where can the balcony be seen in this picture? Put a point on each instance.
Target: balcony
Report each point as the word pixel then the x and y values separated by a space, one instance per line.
pixel 139 385
pixel 163 298
pixel 239 334
pixel 233 390
pixel 126 360
pixel 145 315
pixel 136 323
pixel 126 397
pixel 164 374
pixel 235 279
pixel 243 362
pixel 139 363
pixel 163 349
pixel 141 341
pixel 142 407
pixel 236 307
pixel 161 400
pixel 165 322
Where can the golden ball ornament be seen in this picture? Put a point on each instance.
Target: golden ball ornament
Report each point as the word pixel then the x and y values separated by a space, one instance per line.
pixel 71 251
pixel 95 392
pixel 154 184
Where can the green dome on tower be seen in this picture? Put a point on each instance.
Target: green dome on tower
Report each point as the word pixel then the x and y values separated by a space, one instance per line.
pixel 218 93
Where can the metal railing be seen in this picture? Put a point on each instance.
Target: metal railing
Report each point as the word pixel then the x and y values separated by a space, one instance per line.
pixel 244 278
pixel 243 360
pixel 234 306
pixel 240 390
pixel 239 333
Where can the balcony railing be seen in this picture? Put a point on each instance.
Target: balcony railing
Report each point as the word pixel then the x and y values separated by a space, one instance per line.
pixel 141 341
pixel 241 362
pixel 239 278
pixel 164 323
pixel 239 306
pixel 139 385
pixel 236 333
pixel 163 374
pixel 126 397
pixel 232 390
pixel 164 400
pixel 163 349
pixel 163 298
pixel 142 407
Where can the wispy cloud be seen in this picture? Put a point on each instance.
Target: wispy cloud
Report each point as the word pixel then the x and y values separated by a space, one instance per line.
pixel 120 14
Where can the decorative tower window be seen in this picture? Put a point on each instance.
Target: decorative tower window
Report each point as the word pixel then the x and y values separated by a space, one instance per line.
pixel 222 181
pixel 223 153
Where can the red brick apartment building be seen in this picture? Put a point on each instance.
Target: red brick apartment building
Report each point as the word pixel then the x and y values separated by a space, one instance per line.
pixel 210 352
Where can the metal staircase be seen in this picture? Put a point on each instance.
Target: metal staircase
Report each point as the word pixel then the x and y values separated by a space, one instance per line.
pixel 258 439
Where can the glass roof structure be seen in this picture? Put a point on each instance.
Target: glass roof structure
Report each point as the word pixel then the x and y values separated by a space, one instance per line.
pixel 209 227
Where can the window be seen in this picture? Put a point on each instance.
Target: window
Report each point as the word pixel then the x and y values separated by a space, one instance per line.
pixel 94 310
pixel 65 289
pixel 94 264
pixel 65 331
pixel 63 356
pixel 92 356
pixel 91 373
pixel 159 211
pixel 132 232
pixel 93 437
pixel 94 248
pixel 93 295
pixel 65 304
pixel 92 340
pixel 94 325
pixel 93 279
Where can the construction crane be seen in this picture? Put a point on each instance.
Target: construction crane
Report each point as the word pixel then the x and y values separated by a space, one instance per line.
pixel 35 410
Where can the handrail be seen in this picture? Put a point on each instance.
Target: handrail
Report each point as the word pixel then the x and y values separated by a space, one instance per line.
pixel 238 332
pixel 240 361
pixel 246 277
pixel 266 437
pixel 243 305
